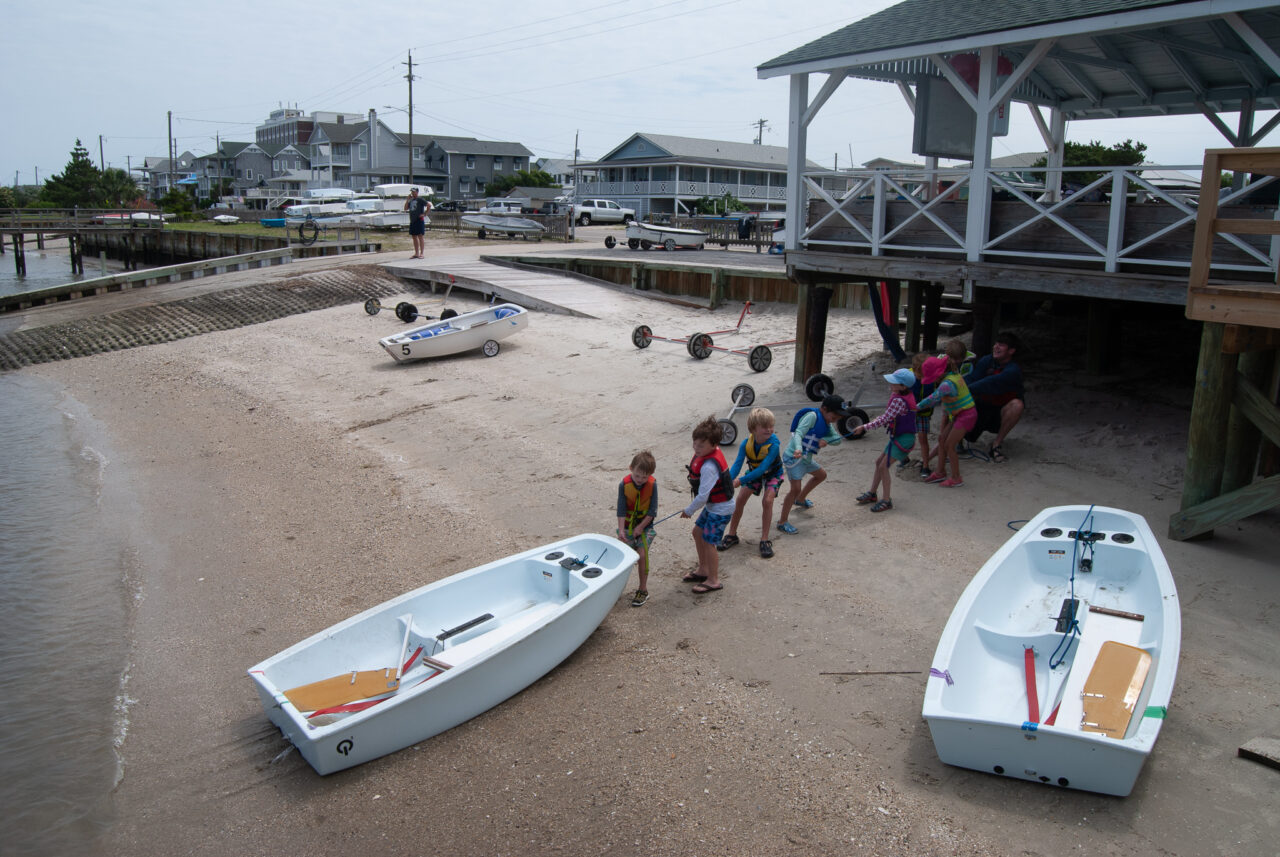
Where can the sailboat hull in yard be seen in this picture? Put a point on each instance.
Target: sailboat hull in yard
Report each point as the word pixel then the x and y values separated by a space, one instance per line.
pixel 1014 690
pixel 445 652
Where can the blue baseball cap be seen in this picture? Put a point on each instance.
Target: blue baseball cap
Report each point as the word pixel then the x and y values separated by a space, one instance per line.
pixel 903 376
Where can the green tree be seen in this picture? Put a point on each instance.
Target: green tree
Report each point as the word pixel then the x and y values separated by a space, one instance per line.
pixel 78 184
pixel 520 178
pixel 7 198
pixel 177 201
pixel 719 205
pixel 1094 154
pixel 117 189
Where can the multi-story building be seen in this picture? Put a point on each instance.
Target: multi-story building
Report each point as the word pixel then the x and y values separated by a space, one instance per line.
pixel 465 165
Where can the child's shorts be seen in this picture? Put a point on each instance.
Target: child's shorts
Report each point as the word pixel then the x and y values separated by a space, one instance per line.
pixel 645 538
pixel 712 526
pixel 802 467
pixel 966 420
pixel 922 423
pixel 900 446
pixel 773 483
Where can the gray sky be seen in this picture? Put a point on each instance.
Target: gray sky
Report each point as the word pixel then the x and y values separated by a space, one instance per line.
pixel 535 73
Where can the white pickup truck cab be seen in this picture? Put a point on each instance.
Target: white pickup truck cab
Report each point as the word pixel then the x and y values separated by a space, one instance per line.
pixel 590 211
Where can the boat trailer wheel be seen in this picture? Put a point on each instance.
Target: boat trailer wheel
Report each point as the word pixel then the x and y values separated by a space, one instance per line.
pixel 449 313
pixel 633 243
pixel 742 396
pixel 372 306
pixel 645 245
pixel 818 387
pixel 406 312
pixel 669 244
pixel 760 358
pixel 845 425
pixel 641 336
pixel 491 348
pixel 610 242
pixel 728 432
pixel 481 234
pixel 700 345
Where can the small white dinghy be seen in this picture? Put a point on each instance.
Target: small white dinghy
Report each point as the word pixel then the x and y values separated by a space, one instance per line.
pixel 1079 606
pixel 430 659
pixel 642 236
pixel 480 329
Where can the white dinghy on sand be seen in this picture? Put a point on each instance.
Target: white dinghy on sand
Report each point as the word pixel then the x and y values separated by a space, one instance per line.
pixel 1079 606
pixel 435 657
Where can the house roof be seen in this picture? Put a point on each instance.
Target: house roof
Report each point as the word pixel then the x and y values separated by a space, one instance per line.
pixel 339 132
pixel 474 146
pixel 1105 58
pixel 684 150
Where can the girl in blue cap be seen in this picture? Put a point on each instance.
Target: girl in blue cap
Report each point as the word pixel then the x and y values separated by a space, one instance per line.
pixel 900 418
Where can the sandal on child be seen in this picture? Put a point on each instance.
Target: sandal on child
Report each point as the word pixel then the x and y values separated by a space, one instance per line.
pixel 882 506
pixel 804 504
pixel 867 497
pixel 997 454
pixel 766 548
pixel 788 528
pixel 694 577
pixel 641 596
pixel 726 543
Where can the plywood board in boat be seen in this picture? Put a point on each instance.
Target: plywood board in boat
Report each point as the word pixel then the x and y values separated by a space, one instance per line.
pixel 340 689
pixel 1113 688
pixel 1097 628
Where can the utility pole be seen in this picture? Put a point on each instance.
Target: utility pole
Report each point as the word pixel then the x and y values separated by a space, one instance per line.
pixel 409 77
pixel 172 155
pixel 101 167
pixel 760 124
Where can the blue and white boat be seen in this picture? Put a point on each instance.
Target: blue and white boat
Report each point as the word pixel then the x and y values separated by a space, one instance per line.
pixel 480 329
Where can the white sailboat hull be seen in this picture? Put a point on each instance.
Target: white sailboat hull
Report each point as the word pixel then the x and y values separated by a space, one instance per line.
pixel 977 702
pixel 539 610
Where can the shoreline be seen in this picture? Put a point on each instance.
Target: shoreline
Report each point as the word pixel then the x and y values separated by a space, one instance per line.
pixel 286 493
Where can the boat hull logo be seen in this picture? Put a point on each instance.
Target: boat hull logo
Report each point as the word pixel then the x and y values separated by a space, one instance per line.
pixel 345 746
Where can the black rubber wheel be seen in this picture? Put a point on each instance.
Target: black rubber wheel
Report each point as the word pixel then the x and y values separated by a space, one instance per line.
pixel 372 306
pixel 641 336
pixel 610 242
pixel 818 387
pixel 633 243
pixel 742 396
pixel 700 345
pixel 406 312
pixel 491 348
pixel 449 313
pixel 846 425
pixel 308 232
pixel 760 358
pixel 645 245
pixel 728 432
pixel 669 244
pixel 584 220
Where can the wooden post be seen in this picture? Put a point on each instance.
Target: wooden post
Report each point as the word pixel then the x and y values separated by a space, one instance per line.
pixel 915 293
pixel 19 257
pixel 813 302
pixel 1206 439
pixel 719 276
pixel 984 321
pixel 1243 437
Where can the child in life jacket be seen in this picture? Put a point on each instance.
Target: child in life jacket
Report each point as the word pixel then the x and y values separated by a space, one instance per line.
pixel 900 418
pixel 761 453
pixel 961 416
pixel 811 430
pixel 637 507
pixel 712 489
pixel 920 390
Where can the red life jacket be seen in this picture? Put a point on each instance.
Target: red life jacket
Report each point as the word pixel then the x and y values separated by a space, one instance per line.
pixel 724 487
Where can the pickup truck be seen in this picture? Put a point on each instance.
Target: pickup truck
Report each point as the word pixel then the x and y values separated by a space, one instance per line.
pixel 590 211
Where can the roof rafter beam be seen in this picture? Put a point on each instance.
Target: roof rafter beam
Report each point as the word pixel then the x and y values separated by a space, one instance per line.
pixel 1228 37
pixel 1132 74
pixel 1216 121
pixel 1020 71
pixel 1050 92
pixel 1254 41
pixel 1082 82
pixel 1185 71
pixel 1164 39
pixel 834 79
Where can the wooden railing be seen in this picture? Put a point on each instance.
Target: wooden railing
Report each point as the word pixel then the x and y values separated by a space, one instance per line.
pixel 17 220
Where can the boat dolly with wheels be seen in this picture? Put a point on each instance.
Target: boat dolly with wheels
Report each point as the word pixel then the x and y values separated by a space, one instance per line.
pixel 816 387
pixel 700 345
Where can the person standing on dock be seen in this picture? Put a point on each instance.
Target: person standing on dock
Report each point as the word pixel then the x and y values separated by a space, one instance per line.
pixel 417 208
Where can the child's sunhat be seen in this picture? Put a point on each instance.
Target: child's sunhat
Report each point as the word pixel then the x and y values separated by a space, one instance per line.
pixel 933 369
pixel 903 376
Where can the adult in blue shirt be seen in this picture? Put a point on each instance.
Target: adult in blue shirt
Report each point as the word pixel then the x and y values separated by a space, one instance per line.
pixel 995 382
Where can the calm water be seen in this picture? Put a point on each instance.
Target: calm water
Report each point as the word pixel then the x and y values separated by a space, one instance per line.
pixel 65 596
pixel 47 268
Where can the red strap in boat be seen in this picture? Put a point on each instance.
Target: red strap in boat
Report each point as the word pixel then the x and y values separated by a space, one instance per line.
pixel 409 662
pixel 1033 699
pixel 348 708
pixel 1054 715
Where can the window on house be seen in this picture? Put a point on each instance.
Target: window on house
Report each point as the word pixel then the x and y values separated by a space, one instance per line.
pixel 497 162
pixel 417 153
pixel 248 174
pixel 364 152
pixel 471 162
pixel 464 185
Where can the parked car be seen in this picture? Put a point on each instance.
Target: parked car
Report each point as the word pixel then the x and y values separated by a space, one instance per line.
pixel 601 211
pixel 450 205
pixel 497 207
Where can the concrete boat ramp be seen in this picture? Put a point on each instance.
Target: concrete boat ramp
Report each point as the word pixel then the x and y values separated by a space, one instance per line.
pixel 532 289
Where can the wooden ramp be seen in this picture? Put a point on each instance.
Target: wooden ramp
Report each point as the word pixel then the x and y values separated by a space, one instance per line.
pixel 548 292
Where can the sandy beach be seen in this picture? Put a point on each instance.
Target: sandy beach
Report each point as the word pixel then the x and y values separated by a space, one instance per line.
pixel 289 475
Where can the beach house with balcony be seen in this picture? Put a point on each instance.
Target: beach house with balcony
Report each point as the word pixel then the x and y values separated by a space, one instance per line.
pixel 464 165
pixel 664 174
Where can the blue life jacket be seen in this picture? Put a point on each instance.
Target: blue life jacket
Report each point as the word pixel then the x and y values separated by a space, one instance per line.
pixel 809 443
